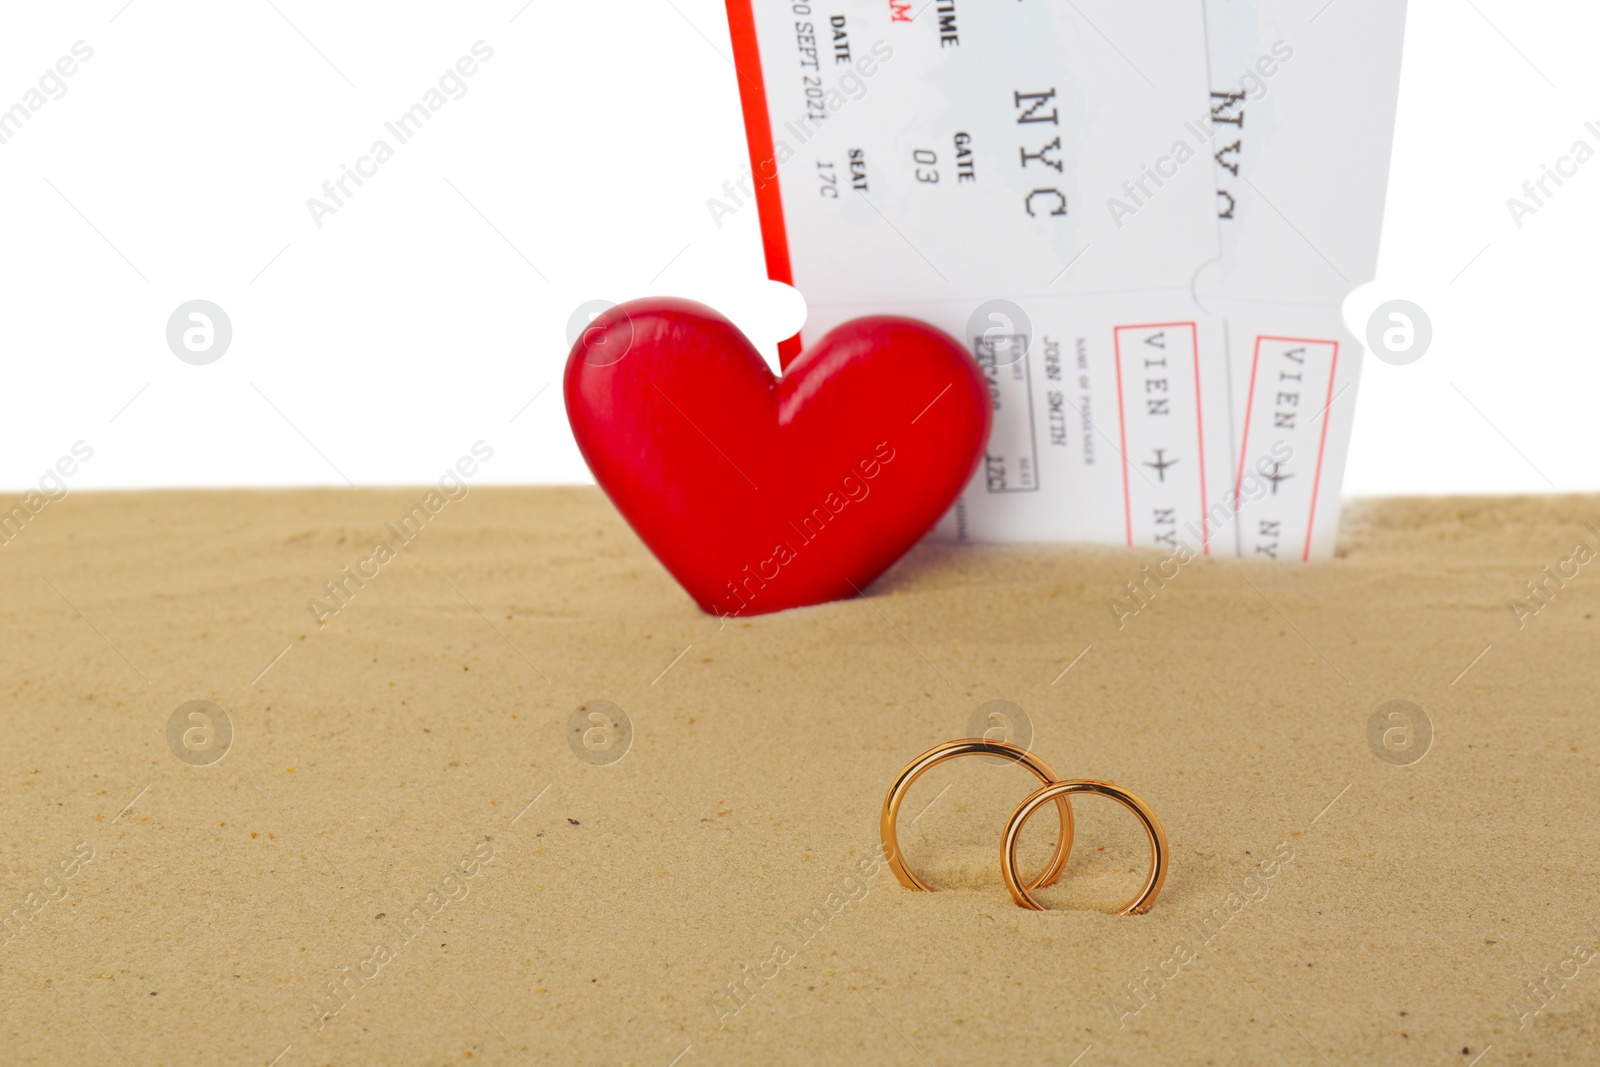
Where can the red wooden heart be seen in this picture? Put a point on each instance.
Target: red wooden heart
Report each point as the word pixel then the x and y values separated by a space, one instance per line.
pixel 760 493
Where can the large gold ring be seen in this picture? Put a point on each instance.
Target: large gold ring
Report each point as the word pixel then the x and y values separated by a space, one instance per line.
pixel 1059 791
pixel 971 746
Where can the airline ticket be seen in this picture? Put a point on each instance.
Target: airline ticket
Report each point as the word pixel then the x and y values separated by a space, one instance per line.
pixel 1047 182
pixel 1035 179
pixel 1303 107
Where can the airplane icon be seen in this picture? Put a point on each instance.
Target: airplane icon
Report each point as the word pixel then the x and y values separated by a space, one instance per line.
pixel 1161 464
pixel 1277 476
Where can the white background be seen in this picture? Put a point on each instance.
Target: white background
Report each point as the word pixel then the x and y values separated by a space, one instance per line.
pixel 432 308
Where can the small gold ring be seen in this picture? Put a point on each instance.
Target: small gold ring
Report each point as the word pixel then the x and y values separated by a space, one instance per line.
pixel 1059 791
pixel 971 746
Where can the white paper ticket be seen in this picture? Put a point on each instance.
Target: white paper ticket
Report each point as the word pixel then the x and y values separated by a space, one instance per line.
pixel 1037 180
pixel 1303 109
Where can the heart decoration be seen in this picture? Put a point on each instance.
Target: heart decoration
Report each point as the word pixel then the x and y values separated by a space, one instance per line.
pixel 760 493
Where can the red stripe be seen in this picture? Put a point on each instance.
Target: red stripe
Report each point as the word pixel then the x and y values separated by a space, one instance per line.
pixel 758 134
pixel 1122 436
pixel 1244 441
pixel 1322 448
pixel 1199 422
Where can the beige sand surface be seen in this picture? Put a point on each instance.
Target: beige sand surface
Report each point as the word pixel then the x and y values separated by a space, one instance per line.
pixel 389 754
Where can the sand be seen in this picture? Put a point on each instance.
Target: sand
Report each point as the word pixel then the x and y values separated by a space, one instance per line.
pixel 409 758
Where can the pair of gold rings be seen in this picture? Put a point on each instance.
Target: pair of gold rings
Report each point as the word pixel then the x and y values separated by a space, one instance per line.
pixel 1054 789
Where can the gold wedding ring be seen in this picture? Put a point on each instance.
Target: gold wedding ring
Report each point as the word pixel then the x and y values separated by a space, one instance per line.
pixel 971 746
pixel 1059 791
pixel 1053 790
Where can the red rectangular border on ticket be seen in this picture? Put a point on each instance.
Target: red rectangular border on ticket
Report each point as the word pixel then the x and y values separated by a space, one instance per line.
pixel 1322 445
pixel 1199 421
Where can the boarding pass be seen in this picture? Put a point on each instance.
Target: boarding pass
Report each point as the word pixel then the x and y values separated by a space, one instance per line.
pixel 1303 109
pixel 1039 180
